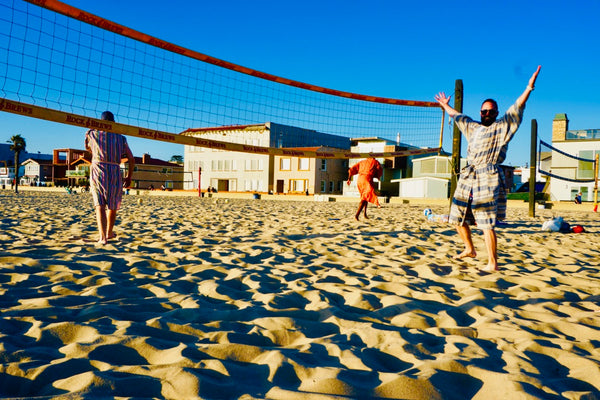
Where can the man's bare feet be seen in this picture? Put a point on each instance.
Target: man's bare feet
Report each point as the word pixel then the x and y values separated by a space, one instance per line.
pixel 112 235
pixel 102 241
pixel 356 217
pixel 490 268
pixel 465 254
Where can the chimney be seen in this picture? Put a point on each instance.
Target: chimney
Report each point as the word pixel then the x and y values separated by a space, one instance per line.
pixel 146 158
pixel 560 126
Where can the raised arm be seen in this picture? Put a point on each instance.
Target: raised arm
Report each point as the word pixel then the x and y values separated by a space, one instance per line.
pixel 525 95
pixel 443 100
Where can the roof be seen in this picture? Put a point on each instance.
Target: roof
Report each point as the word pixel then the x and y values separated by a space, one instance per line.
pixel 154 161
pixel 560 117
pixel 369 139
pixel 314 148
pixel 253 127
pixel 40 161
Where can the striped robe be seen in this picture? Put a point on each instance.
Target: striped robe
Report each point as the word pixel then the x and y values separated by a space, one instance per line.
pixel 106 181
pixel 480 196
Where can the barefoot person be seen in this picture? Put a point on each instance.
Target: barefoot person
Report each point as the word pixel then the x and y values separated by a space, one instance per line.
pixel 106 182
pixel 480 197
pixel 367 170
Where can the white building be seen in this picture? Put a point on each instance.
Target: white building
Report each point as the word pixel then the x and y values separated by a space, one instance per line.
pixel 247 172
pixel 584 144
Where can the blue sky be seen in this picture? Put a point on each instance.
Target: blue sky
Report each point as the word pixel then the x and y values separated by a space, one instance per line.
pixel 400 49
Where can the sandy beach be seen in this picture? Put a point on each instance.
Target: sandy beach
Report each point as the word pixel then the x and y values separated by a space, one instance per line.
pixel 251 299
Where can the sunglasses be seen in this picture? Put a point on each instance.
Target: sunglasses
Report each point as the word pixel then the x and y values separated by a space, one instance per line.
pixel 490 112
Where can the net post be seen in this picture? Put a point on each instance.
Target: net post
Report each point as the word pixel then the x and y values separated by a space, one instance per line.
pixel 532 167
pixel 199 176
pixel 442 131
pixel 596 183
pixel 456 138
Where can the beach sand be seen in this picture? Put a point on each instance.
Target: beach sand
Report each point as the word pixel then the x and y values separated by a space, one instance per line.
pixel 240 298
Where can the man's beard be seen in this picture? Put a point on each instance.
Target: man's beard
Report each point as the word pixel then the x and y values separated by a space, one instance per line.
pixel 487 120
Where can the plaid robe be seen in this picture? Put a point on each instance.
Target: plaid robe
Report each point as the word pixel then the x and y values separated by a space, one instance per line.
pixel 480 196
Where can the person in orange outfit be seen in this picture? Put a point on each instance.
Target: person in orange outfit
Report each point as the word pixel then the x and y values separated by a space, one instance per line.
pixel 367 170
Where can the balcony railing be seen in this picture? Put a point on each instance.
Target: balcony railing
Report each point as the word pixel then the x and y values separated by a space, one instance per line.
pixel 75 174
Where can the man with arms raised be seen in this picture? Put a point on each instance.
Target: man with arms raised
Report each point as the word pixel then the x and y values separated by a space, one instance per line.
pixel 480 197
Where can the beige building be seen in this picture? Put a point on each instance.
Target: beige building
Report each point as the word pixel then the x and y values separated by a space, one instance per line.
pixel 228 171
pixel 298 175
pixel 583 144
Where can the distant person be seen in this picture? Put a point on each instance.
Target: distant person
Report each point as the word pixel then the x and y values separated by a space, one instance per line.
pixel 367 170
pixel 479 198
pixel 578 198
pixel 106 181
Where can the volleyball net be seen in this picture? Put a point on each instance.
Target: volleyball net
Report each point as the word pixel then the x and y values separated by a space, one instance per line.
pixel 62 64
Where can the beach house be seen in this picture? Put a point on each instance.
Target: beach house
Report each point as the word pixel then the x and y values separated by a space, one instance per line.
pixel 63 166
pixel 154 173
pixel 7 168
pixel 37 171
pixel 576 146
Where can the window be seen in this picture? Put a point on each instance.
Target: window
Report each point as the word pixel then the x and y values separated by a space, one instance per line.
pixel 331 187
pixel 442 165
pixel 585 169
pixel 297 185
pixel 254 165
pixel 303 164
pixel 324 165
pixel 251 185
pixel 285 164
pixel 428 166
pixel 323 186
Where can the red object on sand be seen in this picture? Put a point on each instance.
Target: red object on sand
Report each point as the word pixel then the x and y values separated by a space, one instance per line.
pixel 577 229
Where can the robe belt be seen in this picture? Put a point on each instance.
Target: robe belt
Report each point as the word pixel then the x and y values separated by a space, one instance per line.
pixel 480 168
pixel 106 162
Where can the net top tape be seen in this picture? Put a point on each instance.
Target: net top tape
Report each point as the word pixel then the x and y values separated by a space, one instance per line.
pixel 33 111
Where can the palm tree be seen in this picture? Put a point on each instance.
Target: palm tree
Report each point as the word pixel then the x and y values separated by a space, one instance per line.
pixel 18 145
